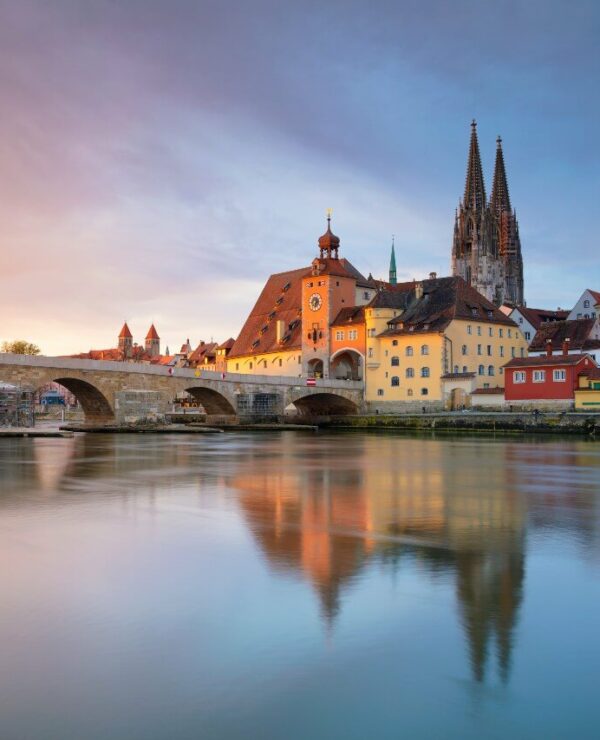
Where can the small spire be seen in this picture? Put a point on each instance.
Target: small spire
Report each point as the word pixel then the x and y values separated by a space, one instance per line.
pixel 392 276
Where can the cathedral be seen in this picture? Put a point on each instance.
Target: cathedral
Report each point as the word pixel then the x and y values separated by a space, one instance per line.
pixel 486 249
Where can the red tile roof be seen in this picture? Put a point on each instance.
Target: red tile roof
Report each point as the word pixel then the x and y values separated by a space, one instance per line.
pixel 152 333
pixel 204 351
pixel 350 315
pixel 227 344
pixel 595 295
pixel 488 391
pixel 125 333
pixel 539 316
pixel 552 360
pixel 576 331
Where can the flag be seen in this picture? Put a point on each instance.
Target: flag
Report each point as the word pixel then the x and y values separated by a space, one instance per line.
pixel 311 381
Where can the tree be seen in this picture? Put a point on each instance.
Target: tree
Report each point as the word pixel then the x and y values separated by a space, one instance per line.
pixel 20 347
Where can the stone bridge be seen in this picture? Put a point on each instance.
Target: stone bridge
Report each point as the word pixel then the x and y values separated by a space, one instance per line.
pixel 120 392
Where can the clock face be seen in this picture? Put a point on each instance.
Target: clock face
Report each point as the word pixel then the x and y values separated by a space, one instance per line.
pixel 315 302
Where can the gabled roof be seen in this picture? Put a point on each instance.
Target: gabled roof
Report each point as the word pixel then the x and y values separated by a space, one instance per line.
pixel 595 295
pixel 227 344
pixel 202 351
pixel 544 360
pixel 350 315
pixel 577 331
pixel 442 301
pixel 539 316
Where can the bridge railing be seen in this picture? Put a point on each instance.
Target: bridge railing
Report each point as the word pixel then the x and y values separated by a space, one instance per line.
pixel 72 363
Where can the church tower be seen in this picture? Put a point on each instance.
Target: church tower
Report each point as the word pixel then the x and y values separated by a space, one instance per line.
pixel 486 249
pixel 326 289
pixel 393 279
pixel 509 243
pixel 125 342
pixel 152 342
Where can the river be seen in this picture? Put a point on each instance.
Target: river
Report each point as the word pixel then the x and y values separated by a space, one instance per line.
pixel 299 585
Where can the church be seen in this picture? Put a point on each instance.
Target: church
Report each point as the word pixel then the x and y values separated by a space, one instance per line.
pixel 486 248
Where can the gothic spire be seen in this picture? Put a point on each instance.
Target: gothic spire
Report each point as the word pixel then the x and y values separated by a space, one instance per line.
pixel 499 200
pixel 393 278
pixel 474 187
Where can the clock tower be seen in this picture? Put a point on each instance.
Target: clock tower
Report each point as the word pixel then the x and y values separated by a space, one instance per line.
pixel 326 289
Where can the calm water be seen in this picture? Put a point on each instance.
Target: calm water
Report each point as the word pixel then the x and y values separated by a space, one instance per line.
pixel 292 585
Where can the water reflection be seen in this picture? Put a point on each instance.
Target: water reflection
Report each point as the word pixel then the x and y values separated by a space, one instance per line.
pixel 336 510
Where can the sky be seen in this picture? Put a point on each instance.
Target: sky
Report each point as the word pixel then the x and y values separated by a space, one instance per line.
pixel 159 159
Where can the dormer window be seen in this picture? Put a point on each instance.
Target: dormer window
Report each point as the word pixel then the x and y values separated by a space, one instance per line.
pixel 279 301
pixel 255 343
pixel 286 287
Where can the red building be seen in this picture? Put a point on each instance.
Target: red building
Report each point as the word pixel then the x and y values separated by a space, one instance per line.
pixel 549 378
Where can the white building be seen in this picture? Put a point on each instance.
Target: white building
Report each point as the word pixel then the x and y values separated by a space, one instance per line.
pixel 587 307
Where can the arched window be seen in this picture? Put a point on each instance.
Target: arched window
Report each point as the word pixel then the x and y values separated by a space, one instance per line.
pixel 456 368
pixel 424 349
pixel 410 373
pixel 395 380
pixel 409 351
pixel 481 370
pixel 464 349
pixel 465 370
pixel 424 372
pixel 395 361
pixel 409 392
pixel 490 370
pixel 394 342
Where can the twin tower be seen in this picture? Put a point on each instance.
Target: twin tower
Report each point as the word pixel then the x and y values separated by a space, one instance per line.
pixel 486 249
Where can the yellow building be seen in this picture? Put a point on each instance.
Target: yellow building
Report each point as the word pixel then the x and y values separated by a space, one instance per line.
pixel 431 343
pixel 587 393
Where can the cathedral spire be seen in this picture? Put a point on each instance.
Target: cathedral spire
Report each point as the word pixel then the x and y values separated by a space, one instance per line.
pixel 499 199
pixel 474 187
pixel 393 278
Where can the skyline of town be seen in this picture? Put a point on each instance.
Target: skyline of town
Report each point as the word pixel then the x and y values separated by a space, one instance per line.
pixel 173 179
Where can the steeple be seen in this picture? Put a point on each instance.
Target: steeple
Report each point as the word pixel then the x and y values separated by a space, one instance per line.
pixel 125 341
pixel 499 200
pixel 474 187
pixel 152 342
pixel 329 243
pixel 393 279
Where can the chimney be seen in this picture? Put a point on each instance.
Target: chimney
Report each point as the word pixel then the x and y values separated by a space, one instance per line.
pixel 280 328
pixel 549 347
pixel 432 275
pixel 565 346
pixel 418 289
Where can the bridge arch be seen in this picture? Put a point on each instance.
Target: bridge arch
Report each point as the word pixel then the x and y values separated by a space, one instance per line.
pixel 213 402
pixel 324 404
pixel 347 364
pixel 94 403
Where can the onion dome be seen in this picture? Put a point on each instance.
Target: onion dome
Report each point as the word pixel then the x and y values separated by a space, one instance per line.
pixel 329 243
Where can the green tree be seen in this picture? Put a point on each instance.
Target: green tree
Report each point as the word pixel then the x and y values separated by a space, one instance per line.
pixel 20 347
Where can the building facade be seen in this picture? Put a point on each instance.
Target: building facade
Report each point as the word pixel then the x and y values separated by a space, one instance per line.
pixel 486 247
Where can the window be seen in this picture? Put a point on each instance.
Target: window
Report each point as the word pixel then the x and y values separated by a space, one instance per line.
pixel 424 349
pixel 501 350
pixel 424 391
pixel 337 282
pixel 380 391
pixel 250 365
pixel 386 353
pixel 481 370
pixel 486 385
pixel 456 369
pixel 527 335
pixel 237 366
pixel 366 295
pixel 424 372
pixel 559 376
pixel 394 342
pixel 512 352
pixel 465 370
pixel 310 285
pixel 387 375
pixel 353 334
pixel 370 353
pixel 578 315
pixel 395 381
pixel 409 392
pixel 539 376
pixel 395 361
pixel 479 331
pixel 522 352
pixel 490 369
pixel 586 303
pixel 280 363
pixel 464 349
pixel 409 351
pixel 339 335
pixel 478 349
pixel 500 332
pixel 519 376
pixel 489 350
pixel 520 319
pixel 509 332
pixel 469 329
pixel 491 331
pixel 410 373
